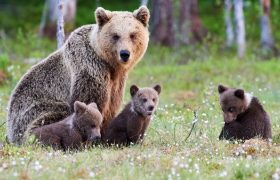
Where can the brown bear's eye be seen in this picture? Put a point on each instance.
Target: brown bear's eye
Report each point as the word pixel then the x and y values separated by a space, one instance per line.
pixel 231 109
pixel 132 36
pixel 116 37
pixel 93 126
pixel 154 99
pixel 144 99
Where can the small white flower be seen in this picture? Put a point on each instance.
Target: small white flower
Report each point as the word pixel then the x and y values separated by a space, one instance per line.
pixel 60 169
pixel 173 171
pixel 249 157
pixel 15 174
pixel 275 176
pixel 223 174
pixel 91 174
pixel 257 174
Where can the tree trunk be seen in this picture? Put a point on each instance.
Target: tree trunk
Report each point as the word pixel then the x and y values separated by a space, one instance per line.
pixel 144 2
pixel 198 31
pixel 97 2
pixel 184 26
pixel 60 25
pixel 267 41
pixel 190 26
pixel 50 15
pixel 228 22
pixel 240 27
pixel 162 22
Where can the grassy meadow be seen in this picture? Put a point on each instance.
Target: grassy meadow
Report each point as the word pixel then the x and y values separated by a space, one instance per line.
pixel 189 77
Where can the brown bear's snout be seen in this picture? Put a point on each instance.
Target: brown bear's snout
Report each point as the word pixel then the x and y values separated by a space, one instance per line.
pixel 229 117
pixel 124 54
pixel 151 108
pixel 95 138
pixel 95 135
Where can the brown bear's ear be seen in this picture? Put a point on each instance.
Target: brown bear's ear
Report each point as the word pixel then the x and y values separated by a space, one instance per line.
pixel 79 107
pixel 157 88
pixel 143 15
pixel 102 16
pixel 133 90
pixel 239 93
pixel 222 89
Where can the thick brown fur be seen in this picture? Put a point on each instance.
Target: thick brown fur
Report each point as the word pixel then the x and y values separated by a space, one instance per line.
pixel 244 116
pixel 88 68
pixel 130 125
pixel 82 127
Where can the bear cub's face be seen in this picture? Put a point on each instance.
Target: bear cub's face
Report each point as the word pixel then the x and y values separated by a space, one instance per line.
pixel 122 37
pixel 233 102
pixel 88 120
pixel 145 100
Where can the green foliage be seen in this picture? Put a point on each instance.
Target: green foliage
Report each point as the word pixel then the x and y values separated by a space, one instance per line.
pixel 4 62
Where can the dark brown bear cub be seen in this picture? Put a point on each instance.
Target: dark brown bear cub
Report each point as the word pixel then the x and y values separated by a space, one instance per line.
pixel 244 116
pixel 83 126
pixel 130 125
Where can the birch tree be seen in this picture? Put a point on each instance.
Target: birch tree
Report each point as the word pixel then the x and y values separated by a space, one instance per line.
pixel 49 17
pixel 240 27
pixel 60 25
pixel 144 2
pixel 97 2
pixel 228 22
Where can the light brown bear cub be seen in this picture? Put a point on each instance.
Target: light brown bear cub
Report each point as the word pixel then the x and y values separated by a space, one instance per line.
pixel 83 126
pixel 244 116
pixel 130 125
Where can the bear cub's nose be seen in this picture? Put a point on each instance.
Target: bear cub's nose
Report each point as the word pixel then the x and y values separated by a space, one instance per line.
pixel 150 108
pixel 124 55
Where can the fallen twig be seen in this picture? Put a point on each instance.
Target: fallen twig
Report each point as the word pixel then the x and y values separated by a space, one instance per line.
pixel 193 124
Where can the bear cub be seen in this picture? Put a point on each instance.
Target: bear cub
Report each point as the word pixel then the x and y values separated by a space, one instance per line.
pixel 82 127
pixel 244 116
pixel 130 125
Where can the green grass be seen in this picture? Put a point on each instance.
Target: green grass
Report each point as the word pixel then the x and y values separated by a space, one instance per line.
pixel 189 78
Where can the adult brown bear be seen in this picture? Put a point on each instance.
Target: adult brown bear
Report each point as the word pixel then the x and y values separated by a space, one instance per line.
pixel 92 66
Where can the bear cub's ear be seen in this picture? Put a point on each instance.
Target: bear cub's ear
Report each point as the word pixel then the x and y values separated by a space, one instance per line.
pixel 102 16
pixel 157 88
pixel 239 93
pixel 133 90
pixel 93 105
pixel 222 89
pixel 79 107
pixel 143 15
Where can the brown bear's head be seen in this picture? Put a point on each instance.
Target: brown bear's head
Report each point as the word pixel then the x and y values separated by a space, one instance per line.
pixel 233 102
pixel 121 37
pixel 87 120
pixel 145 100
